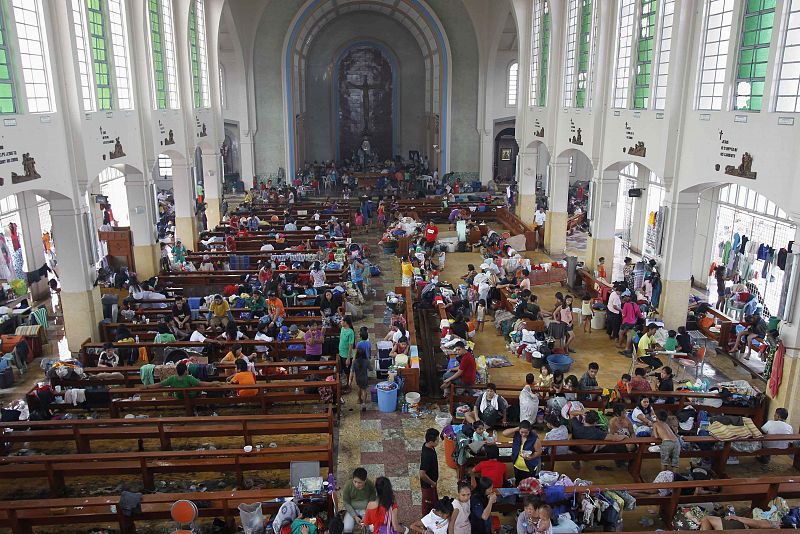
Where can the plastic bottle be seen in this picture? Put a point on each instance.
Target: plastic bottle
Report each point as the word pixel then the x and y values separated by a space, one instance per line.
pixel 331 482
pixel 731 510
pixel 137 338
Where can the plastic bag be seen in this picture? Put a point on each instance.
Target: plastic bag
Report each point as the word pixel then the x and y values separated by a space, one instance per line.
pixel 252 518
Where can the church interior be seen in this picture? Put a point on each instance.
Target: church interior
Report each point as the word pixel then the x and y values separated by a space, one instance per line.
pixel 428 266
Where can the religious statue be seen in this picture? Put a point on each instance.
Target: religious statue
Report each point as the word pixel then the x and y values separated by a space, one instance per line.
pixel 577 139
pixel 638 150
pixel 118 152
pixel 364 88
pixel 170 140
pixel 365 153
pixel 29 167
pixel 203 132
pixel 744 169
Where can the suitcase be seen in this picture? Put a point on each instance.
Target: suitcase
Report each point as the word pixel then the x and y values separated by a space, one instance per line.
pixel 9 342
pixel 6 378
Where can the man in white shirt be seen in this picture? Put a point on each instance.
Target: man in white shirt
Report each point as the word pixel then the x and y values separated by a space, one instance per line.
pixel 614 313
pixel 290 226
pixel 267 247
pixel 539 218
pixel 778 425
pixel 198 336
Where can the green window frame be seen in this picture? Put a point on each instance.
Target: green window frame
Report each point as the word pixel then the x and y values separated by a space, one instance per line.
pixel 584 53
pixel 645 52
pixel 194 56
pixel 8 102
pixel 157 50
pixel 754 43
pixel 104 90
pixel 544 50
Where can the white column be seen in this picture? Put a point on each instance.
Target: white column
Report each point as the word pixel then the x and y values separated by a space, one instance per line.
pixel 247 155
pixel 212 177
pixel 487 155
pixel 185 222
pixel 80 299
pixel 526 176
pixel 141 210
pixel 555 230
pixel 604 198
pixel 31 230
pixel 681 223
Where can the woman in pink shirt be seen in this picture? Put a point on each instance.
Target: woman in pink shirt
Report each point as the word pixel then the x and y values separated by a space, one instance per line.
pixel 630 314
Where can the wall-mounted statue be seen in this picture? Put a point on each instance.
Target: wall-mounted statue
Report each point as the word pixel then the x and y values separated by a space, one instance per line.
pixel 170 140
pixel 203 132
pixel 744 170
pixel 577 139
pixel 638 150
pixel 539 132
pixel 28 167
pixel 117 152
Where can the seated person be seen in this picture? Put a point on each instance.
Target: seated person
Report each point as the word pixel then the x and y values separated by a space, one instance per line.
pixel 777 425
pixel 465 374
pixel 109 356
pixel 356 495
pixel 589 430
pixel 306 522
pixel 181 380
pixel 755 327
pixel 218 312
pixel 490 408
pixel 647 344
pixel 491 468
pixel 244 377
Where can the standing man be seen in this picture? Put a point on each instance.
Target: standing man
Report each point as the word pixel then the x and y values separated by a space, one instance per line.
pixel 429 471
pixel 431 233
pixel 356 495
pixel 614 313
pixel 539 218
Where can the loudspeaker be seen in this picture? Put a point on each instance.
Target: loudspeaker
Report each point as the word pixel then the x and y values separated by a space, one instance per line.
pixel 636 192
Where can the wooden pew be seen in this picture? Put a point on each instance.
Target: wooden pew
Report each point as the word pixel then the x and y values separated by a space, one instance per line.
pixel 21 516
pixel 681 399
pixel 725 336
pixel 248 327
pixel 58 467
pixel 575 221
pixel 82 432
pixel 635 458
pixel 132 378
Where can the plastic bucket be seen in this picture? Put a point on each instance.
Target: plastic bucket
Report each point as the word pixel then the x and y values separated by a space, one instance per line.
pixel 373 392
pixel 449 449
pixel 412 397
pixel 559 362
pixel 598 321
pixel 387 398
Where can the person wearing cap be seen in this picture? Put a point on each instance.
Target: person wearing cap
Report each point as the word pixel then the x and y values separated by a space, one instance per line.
pixel 179 252
pixel 218 312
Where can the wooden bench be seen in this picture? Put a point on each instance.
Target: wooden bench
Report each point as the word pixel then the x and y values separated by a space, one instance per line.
pixel 725 336
pixel 82 432
pixel 634 459
pixel 58 467
pixel 680 400
pixel 272 371
pixel 247 327
pixel 575 221
pixel 21 516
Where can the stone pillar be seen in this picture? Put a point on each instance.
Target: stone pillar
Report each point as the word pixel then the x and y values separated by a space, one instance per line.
pixel 526 176
pixel 185 222
pixel 789 390
pixel 487 155
pixel 555 229
pixel 212 177
pixel 677 257
pixel 80 299
pixel 604 198
pixel 31 230
pixel 141 207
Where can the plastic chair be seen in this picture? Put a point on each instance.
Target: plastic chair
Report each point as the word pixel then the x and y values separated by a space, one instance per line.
pixel 184 513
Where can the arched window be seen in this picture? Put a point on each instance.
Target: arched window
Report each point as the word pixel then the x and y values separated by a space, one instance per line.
pixel 578 63
pixel 788 99
pixel 714 57
pixel 33 58
pixel 540 52
pixel 112 185
pixel 162 49
pixel 101 42
pixel 512 88
pixel 199 53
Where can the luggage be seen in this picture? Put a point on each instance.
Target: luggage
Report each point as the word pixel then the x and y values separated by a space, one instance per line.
pixel 6 378
pixel 9 342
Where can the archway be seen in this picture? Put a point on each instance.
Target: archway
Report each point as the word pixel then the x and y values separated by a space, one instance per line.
pixel 568 192
pixel 505 155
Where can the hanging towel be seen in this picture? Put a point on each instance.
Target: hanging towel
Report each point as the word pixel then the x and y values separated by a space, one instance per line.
pixel 40 315
pixel 147 374
pixel 776 376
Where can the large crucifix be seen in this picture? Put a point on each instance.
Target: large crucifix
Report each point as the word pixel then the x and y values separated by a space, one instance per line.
pixel 364 88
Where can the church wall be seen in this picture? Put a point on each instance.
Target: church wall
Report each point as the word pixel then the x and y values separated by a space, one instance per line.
pixel 498 107
pixel 320 71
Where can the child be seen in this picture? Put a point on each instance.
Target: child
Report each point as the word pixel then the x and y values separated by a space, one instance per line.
pixel 479 431
pixel 284 335
pixel 543 526
pixel 545 377
pixel 305 519
pixel 453 361
pixel 624 385
pixel 587 313
pixel 670 447
pixel 480 313
pixel 358 372
pixel 438 520
pixel 671 343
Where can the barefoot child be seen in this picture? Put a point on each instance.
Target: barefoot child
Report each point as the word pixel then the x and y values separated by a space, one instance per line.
pixel 670 446
pixel 587 313
pixel 480 314
pixel 358 372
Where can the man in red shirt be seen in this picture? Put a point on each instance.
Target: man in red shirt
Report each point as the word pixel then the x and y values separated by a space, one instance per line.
pixel 492 468
pixel 431 232
pixel 465 373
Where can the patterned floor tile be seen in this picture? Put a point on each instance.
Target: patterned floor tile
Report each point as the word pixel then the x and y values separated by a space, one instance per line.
pixel 370 424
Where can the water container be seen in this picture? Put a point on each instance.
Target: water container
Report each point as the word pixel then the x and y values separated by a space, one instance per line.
pixel 387 398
